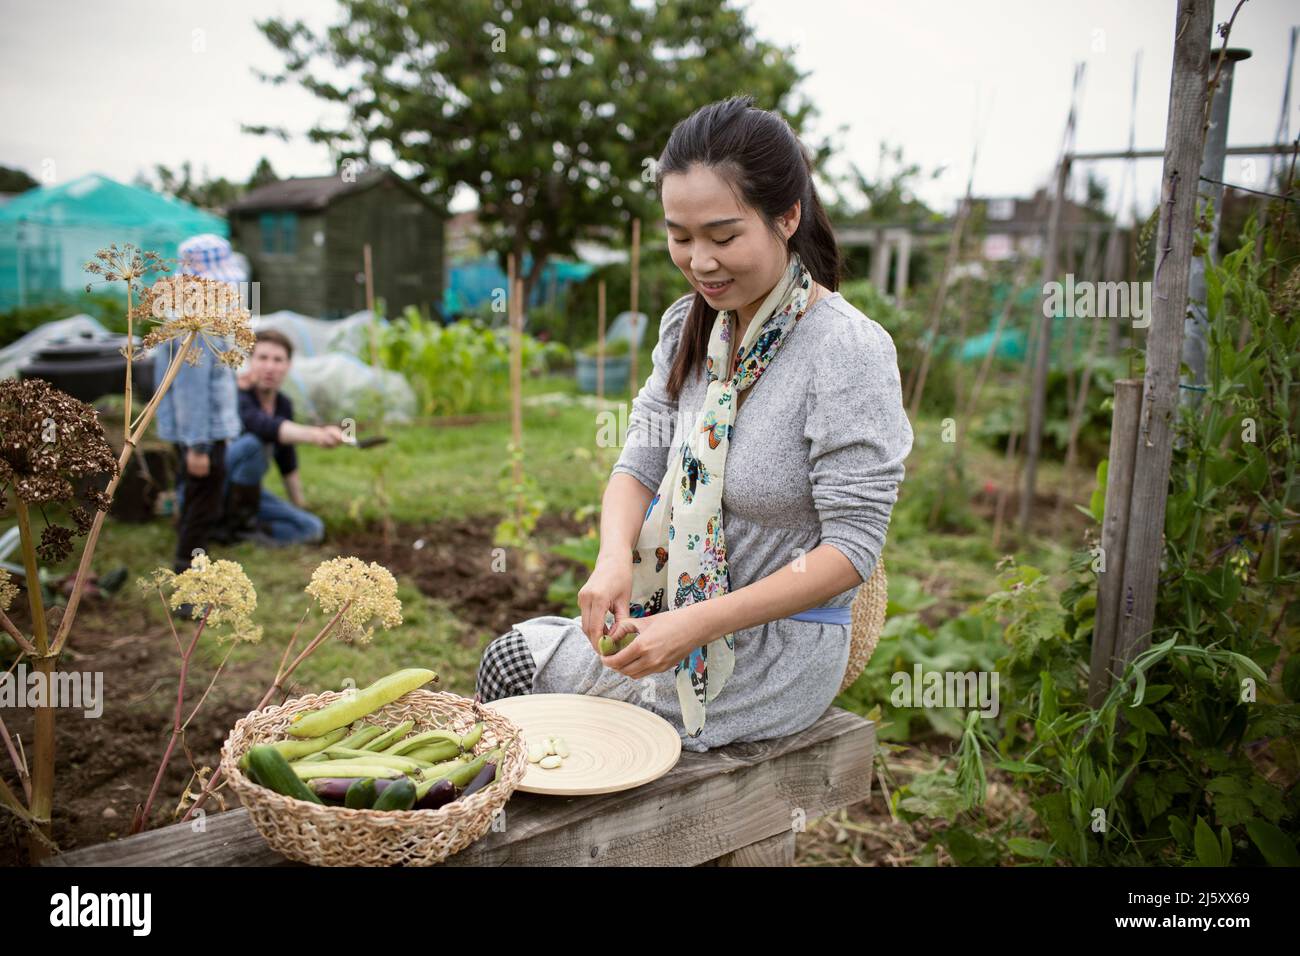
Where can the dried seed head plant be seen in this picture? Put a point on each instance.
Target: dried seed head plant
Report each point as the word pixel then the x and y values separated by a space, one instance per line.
pixel 218 592
pixel 185 305
pixel 360 594
pixel 127 264
pixel 8 590
pixel 185 308
pixel 52 451
pixel 358 597
pixel 220 596
pixel 51 445
pixel 131 266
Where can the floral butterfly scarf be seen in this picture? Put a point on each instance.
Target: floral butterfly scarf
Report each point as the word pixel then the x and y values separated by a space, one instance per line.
pixel 681 555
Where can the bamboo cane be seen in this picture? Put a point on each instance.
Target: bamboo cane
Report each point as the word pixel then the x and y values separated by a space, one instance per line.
pixel 636 288
pixel 600 342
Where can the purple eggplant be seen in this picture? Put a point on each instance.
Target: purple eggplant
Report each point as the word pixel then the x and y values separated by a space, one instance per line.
pixel 440 794
pixel 336 788
pixel 485 776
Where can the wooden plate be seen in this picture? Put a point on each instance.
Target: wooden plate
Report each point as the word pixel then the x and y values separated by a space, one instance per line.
pixel 613 745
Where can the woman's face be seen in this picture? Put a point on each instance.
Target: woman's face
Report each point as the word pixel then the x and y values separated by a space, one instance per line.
pixel 715 240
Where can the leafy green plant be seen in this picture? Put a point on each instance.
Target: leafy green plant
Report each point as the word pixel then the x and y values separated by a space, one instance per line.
pixel 459 368
pixel 963 643
pixel 564 588
pixel 1002 418
pixel 614 348
pixel 527 504
pixel 106 307
pixel 1191 757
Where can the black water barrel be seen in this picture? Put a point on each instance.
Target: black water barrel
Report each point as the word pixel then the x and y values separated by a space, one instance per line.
pixel 89 366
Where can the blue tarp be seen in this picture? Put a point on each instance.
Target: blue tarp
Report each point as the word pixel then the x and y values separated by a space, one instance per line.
pixel 471 284
pixel 48 234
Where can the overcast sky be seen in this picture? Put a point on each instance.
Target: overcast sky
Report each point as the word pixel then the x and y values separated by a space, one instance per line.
pixel 116 87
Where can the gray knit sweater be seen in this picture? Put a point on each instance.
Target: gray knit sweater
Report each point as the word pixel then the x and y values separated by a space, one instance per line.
pixel 816 456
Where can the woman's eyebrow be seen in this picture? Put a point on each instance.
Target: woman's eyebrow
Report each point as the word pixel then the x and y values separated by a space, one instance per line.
pixel 707 225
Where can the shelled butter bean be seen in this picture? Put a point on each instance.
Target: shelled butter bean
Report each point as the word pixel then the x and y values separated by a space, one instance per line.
pixel 548 752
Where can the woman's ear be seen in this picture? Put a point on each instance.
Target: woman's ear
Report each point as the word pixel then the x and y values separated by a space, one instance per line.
pixel 790 219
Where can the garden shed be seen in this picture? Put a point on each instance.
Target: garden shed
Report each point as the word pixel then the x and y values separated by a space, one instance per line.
pixel 305 240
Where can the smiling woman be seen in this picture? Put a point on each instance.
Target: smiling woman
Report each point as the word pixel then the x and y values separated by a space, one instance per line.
pixel 731 554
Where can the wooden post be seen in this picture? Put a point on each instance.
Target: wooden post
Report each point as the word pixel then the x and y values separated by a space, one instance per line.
pixel 1196 326
pixel 1041 358
pixel 900 273
pixel 1117 270
pixel 516 314
pixel 370 304
pixel 1112 270
pixel 600 342
pixel 1114 532
pixel 636 282
pixel 880 262
pixel 1184 140
pixel 510 286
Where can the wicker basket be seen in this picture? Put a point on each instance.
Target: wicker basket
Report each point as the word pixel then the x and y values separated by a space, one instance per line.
pixel 868 619
pixel 338 836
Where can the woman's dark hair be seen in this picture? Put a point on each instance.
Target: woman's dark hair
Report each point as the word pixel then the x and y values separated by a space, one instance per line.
pixel 759 156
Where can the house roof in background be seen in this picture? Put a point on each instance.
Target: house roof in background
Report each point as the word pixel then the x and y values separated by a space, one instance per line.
pixel 311 193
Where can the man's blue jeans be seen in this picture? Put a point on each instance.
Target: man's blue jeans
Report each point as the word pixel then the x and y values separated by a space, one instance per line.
pixel 246 464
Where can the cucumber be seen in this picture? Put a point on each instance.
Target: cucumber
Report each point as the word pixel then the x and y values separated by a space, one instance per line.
pixel 399 795
pixel 361 795
pixel 269 769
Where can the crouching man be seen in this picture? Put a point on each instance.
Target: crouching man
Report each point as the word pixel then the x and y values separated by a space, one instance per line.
pixel 269 431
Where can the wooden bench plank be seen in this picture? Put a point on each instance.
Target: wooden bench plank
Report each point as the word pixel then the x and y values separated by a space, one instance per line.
pixel 774 851
pixel 709 806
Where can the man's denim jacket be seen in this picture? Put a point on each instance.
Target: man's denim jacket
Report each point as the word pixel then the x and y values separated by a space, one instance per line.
pixel 201 406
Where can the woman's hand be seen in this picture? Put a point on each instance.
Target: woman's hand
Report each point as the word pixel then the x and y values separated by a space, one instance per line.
pixel 608 589
pixel 663 640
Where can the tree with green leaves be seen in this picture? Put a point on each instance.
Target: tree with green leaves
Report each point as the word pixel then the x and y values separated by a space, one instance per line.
pixel 204 192
pixel 888 198
pixel 552 111
pixel 263 174
pixel 15 181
